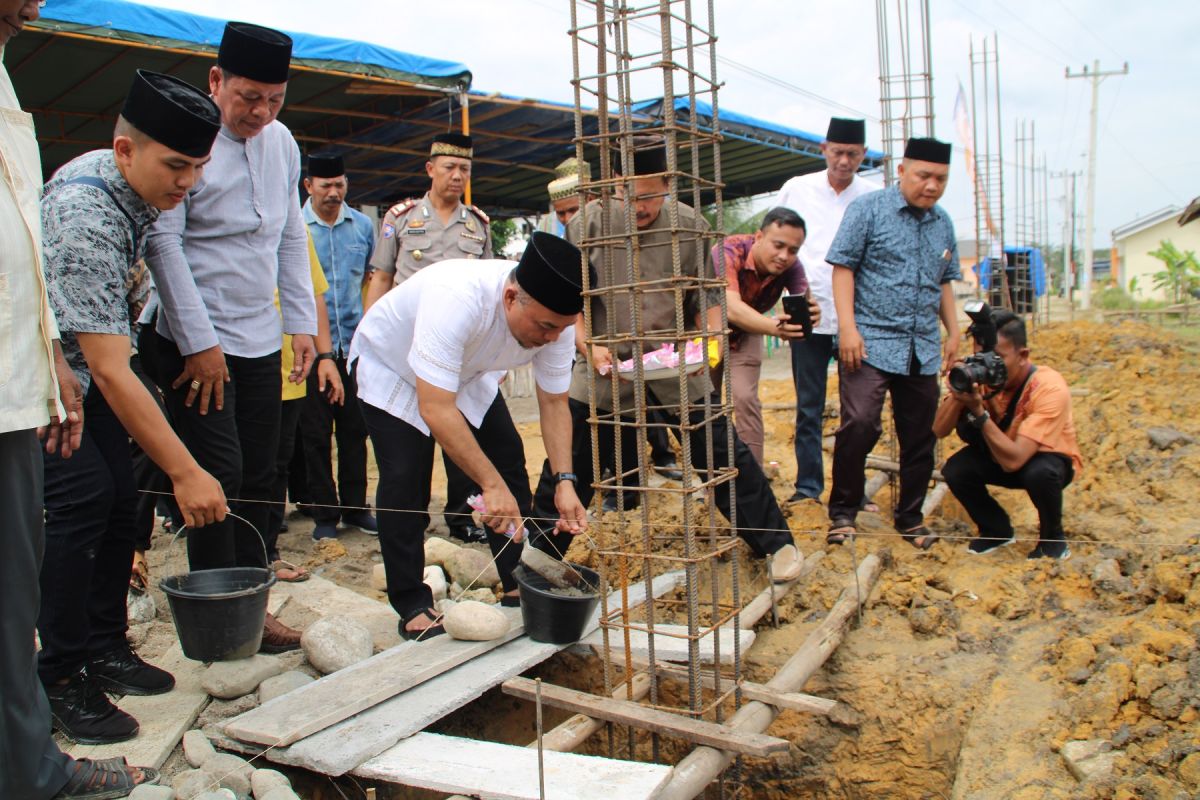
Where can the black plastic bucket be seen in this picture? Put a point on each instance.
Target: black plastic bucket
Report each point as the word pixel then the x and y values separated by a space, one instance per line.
pixel 554 618
pixel 219 613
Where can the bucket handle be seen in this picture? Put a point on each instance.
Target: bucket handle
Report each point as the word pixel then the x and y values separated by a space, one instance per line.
pixel 249 524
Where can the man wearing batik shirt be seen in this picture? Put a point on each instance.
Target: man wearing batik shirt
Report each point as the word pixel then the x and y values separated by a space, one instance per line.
pixel 217 261
pixel 759 267
pixel 95 214
pixel 894 258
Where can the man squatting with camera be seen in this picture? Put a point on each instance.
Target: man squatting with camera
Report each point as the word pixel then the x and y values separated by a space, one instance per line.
pixel 1016 420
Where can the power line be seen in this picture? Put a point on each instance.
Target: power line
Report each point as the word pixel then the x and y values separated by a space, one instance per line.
pixel 1090 32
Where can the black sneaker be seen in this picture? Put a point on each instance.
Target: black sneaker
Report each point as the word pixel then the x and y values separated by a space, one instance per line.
pixel 363 520
pixel 122 671
pixel 469 533
pixel 800 497
pixel 1055 548
pixel 986 544
pixel 85 715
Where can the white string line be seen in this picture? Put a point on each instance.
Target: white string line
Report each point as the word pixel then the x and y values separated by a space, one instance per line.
pixel 706 528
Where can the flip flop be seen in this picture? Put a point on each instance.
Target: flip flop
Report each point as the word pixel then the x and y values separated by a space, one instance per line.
pixel 299 574
pixel 841 530
pixel 927 537
pixel 424 634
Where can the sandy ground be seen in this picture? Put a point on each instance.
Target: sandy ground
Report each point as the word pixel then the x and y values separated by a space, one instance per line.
pixel 969 672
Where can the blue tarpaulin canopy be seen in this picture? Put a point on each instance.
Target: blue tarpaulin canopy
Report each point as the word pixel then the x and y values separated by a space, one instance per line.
pixel 1016 260
pixel 378 108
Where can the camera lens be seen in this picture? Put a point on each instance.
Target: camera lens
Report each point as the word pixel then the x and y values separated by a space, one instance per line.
pixel 962 377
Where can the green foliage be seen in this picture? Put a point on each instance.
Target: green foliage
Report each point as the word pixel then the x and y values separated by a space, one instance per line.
pixel 740 216
pixel 1112 298
pixel 503 231
pixel 1181 273
pixel 1133 287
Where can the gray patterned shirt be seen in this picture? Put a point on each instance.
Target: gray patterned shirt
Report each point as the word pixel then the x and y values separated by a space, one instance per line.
pixel 94 277
pixel 900 258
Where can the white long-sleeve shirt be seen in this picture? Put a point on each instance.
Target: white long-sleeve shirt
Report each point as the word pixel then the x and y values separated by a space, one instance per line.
pixel 218 257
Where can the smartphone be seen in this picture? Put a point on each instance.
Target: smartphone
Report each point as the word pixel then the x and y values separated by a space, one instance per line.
pixel 796 307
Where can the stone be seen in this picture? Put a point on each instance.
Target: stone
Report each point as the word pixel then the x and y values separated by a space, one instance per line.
pixel 336 642
pixel 196 748
pixel 145 792
pixel 438 551
pixel 473 621
pixel 1090 759
pixel 379 578
pixel 282 684
pixel 486 596
pixel 140 607
pixel 218 711
pixel 230 771
pixel 230 679
pixel 280 793
pixel 1189 771
pixel 219 794
pixel 1165 438
pixel 1106 575
pixel 435 579
pixel 263 781
pixel 190 783
pixel 472 569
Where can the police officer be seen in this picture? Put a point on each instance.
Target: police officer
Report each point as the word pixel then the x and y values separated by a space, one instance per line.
pixel 417 233
pixel 438 226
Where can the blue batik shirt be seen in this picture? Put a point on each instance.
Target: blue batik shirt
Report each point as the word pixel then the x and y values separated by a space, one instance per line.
pixel 344 249
pixel 900 258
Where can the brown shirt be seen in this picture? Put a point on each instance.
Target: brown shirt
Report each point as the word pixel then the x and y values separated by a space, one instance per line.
pixel 654 262
pixel 413 236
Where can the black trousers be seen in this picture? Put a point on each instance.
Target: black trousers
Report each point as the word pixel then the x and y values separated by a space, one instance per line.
pixel 405 458
pixel 914 404
pixel 760 521
pixel 321 420
pixel 151 480
pixel 91 510
pixel 289 426
pixel 31 765
pixel 237 445
pixel 459 487
pixel 971 470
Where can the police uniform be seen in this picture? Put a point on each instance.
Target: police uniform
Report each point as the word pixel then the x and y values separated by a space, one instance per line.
pixel 413 236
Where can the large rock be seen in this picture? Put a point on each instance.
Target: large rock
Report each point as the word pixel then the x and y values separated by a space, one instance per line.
pixel 190 783
pixel 474 621
pixel 472 569
pixel 379 578
pixel 140 607
pixel 1089 760
pixel 435 579
pixel 280 793
pixel 438 550
pixel 218 794
pixel 336 642
pixel 230 679
pixel 265 780
pixel 146 792
pixel 282 684
pixel 196 748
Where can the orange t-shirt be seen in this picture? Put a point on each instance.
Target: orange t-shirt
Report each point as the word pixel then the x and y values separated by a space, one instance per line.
pixel 1044 415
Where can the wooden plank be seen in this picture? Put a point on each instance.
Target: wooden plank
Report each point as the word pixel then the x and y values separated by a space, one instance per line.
pixel 163 718
pixel 344 693
pixel 793 701
pixel 342 747
pixel 651 719
pixel 505 772
pixel 668 646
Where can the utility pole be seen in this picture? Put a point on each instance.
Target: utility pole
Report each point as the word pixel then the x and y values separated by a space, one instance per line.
pixel 1068 234
pixel 1096 77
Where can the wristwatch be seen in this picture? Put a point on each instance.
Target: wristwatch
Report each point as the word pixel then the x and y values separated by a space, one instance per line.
pixel 324 357
pixel 978 421
pixel 565 476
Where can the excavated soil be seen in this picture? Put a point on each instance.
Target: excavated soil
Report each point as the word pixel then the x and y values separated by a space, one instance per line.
pixel 967 673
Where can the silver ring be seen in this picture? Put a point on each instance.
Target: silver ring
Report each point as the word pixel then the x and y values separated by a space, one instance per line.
pixel 196 385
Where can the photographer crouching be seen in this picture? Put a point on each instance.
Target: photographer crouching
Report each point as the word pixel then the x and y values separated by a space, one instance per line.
pixel 1015 418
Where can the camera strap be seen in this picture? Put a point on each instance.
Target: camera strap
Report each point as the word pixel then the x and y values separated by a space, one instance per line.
pixel 1010 412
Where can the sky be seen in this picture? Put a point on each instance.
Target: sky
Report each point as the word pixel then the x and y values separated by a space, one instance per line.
pixel 797 63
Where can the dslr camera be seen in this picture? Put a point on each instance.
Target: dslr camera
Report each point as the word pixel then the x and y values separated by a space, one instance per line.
pixel 985 367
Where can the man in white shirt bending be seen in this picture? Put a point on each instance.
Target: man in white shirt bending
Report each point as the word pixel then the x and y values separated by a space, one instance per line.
pixel 428 357
pixel 821 199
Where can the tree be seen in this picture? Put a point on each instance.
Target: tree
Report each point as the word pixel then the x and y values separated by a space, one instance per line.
pixel 1181 275
pixel 740 216
pixel 503 231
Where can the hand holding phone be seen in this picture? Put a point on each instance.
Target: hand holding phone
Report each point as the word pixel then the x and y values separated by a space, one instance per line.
pixel 796 307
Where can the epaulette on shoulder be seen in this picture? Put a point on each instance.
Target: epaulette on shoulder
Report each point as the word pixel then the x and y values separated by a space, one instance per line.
pixel 402 207
pixel 479 213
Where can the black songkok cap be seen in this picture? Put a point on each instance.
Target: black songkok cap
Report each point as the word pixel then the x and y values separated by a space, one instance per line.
pixel 325 166
pixel 928 150
pixel 551 272
pixel 451 144
pixel 254 52
pixel 846 131
pixel 172 112
pixel 650 160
